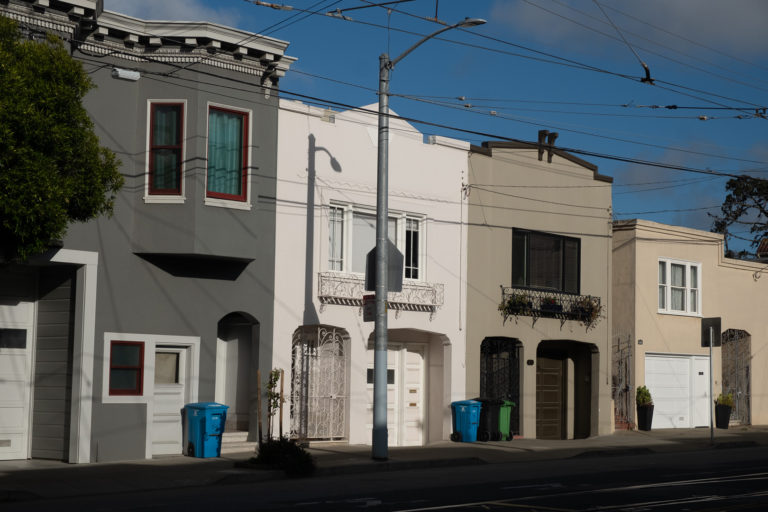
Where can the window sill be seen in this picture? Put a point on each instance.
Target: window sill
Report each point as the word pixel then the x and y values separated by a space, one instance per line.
pixel 158 199
pixel 679 313
pixel 226 203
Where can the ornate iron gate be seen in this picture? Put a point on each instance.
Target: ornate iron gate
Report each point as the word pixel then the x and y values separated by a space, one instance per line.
pixel 737 352
pixel 621 388
pixel 500 374
pixel 318 383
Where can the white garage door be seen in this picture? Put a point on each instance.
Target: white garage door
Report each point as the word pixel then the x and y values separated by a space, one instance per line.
pixel 679 386
pixel 16 322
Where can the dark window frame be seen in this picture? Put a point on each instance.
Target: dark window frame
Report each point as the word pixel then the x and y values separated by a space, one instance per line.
pixel 564 276
pixel 243 196
pixel 153 147
pixel 138 389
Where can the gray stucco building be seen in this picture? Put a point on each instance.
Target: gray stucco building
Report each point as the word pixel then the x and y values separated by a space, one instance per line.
pixel 169 301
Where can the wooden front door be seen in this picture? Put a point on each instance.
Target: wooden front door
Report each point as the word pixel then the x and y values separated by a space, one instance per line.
pixel 550 398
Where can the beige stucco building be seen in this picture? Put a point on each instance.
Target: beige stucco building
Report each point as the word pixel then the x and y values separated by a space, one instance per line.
pixel 539 240
pixel 665 280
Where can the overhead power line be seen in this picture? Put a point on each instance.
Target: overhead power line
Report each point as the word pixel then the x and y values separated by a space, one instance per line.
pixel 486 135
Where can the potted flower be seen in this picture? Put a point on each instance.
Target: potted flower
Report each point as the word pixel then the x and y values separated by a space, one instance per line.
pixel 550 305
pixel 586 309
pixel 644 408
pixel 723 407
pixel 515 304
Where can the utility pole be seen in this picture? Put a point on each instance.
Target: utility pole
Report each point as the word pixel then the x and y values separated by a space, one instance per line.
pixel 380 438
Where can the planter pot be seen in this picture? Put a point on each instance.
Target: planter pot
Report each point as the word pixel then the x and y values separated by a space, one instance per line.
pixel 551 309
pixel 722 415
pixel 644 417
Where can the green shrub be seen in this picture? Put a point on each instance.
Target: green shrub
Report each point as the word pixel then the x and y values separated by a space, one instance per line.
pixel 285 454
pixel 643 396
pixel 725 399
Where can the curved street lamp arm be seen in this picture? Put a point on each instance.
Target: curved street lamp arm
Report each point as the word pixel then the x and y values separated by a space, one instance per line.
pixel 466 22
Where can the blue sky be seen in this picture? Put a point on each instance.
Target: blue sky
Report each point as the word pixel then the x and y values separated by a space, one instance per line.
pixel 560 65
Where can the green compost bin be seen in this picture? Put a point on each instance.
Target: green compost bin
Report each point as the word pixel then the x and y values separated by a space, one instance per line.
pixel 505 415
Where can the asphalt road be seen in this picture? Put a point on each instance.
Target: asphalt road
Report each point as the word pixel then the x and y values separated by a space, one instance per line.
pixel 711 480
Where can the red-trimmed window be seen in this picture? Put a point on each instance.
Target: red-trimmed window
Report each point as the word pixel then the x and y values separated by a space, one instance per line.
pixel 126 367
pixel 227 176
pixel 166 144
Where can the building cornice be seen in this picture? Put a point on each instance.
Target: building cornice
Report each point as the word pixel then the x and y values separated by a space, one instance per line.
pixel 137 40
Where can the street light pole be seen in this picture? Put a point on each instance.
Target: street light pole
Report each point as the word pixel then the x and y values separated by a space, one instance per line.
pixel 380 439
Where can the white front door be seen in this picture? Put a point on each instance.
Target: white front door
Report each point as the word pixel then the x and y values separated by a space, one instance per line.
pixel 405 394
pixel 16 348
pixel 700 392
pixel 169 397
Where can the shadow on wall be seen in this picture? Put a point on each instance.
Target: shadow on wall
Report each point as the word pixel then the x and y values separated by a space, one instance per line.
pixel 202 267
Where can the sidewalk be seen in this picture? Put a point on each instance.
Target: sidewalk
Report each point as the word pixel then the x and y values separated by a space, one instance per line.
pixel 40 479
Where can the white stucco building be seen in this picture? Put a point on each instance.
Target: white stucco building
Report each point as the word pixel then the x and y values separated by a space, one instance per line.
pixel 325 225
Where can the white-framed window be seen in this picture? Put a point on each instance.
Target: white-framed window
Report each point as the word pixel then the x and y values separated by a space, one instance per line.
pixel 129 371
pixel 352 234
pixel 227 180
pixel 679 287
pixel 166 148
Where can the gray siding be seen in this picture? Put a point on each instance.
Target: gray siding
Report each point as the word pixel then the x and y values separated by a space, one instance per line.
pixel 53 365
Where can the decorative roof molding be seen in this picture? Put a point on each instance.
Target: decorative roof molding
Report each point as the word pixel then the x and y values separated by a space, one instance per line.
pixel 131 38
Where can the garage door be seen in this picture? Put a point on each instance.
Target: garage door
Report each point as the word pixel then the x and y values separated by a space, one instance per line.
pixel 15 371
pixel 679 386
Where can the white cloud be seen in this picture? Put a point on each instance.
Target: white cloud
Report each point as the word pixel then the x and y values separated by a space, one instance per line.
pixel 735 27
pixel 176 10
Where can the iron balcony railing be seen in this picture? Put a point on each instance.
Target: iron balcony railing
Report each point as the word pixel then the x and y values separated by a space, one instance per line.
pixel 550 304
pixel 348 290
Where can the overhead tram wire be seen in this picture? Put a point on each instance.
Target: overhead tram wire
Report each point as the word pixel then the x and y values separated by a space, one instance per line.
pixel 608 137
pixel 581 132
pixel 656 43
pixel 559 60
pixel 493 111
pixel 662 56
pixel 715 50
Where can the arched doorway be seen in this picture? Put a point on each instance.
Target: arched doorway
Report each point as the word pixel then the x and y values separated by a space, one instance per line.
pixel 737 353
pixel 319 390
pixel 235 356
pixel 500 374
pixel 566 389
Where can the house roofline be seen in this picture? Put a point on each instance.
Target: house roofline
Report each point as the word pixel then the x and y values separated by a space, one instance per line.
pixel 488 147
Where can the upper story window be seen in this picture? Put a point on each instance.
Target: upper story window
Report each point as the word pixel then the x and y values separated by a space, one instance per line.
pixel 126 367
pixel 352 234
pixel 166 148
pixel 679 287
pixel 545 261
pixel 227 176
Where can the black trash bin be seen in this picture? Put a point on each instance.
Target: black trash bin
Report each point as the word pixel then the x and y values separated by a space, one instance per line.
pixel 488 428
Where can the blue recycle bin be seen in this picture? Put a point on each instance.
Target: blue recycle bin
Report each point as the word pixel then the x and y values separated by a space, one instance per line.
pixel 466 418
pixel 203 426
